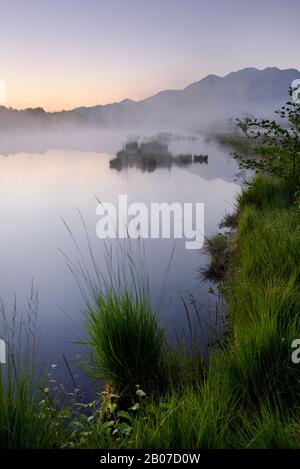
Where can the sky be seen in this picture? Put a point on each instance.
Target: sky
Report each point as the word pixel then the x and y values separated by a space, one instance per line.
pixel 60 54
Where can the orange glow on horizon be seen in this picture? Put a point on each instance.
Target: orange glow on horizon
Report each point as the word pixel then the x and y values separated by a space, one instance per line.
pixel 58 101
pixel 67 95
pixel 61 87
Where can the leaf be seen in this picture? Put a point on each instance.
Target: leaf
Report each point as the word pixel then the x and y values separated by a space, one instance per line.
pixel 124 428
pixel 135 407
pixel 106 425
pixel 65 413
pixel 91 404
pixel 112 407
pixel 125 415
pixel 140 393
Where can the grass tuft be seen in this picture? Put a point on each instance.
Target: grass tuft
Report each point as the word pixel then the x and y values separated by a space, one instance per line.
pixel 128 346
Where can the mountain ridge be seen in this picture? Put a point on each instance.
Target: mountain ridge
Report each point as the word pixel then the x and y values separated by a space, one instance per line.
pixel 211 100
pixel 205 78
pixel 245 90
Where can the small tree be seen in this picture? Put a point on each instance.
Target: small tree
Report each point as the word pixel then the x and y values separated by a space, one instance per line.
pixel 277 148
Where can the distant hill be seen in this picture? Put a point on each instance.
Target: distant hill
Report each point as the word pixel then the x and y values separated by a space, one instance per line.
pixel 213 99
pixel 210 101
pixel 37 118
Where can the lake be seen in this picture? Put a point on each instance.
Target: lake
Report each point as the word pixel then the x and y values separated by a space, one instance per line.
pixel 40 190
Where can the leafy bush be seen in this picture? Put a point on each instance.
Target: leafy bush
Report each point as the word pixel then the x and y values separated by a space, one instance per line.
pixel 278 147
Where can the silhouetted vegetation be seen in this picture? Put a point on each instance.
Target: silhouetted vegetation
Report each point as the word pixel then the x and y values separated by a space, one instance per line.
pixel 151 155
pixel 277 149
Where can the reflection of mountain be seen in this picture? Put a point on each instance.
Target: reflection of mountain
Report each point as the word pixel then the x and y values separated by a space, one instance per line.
pixel 220 166
pixel 211 100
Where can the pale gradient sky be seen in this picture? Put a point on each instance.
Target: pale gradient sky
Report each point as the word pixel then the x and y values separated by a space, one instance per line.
pixel 61 54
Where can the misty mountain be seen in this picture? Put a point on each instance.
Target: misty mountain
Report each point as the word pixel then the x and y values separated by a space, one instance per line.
pixel 212 100
pixel 208 102
pixel 38 118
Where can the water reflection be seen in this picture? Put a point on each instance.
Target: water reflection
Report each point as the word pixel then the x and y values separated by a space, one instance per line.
pixel 150 155
pixel 38 190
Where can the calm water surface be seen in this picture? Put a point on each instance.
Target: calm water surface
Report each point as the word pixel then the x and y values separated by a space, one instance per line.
pixel 37 191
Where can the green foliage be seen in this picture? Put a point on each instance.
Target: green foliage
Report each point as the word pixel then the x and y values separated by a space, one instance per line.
pixel 250 395
pixel 266 192
pixel 229 220
pixel 277 147
pixel 107 424
pixel 263 297
pixel 127 345
pixel 297 200
pixel 185 368
pixel 236 141
pixel 268 429
pixel 220 249
pixel 193 419
pixel 29 417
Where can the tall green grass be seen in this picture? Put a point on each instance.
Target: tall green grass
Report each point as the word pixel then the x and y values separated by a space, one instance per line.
pixel 28 415
pixel 268 429
pixel 27 418
pixel 194 419
pixel 251 392
pixel 264 192
pixel 127 344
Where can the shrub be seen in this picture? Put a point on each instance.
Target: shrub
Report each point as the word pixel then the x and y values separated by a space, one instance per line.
pixel 278 149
